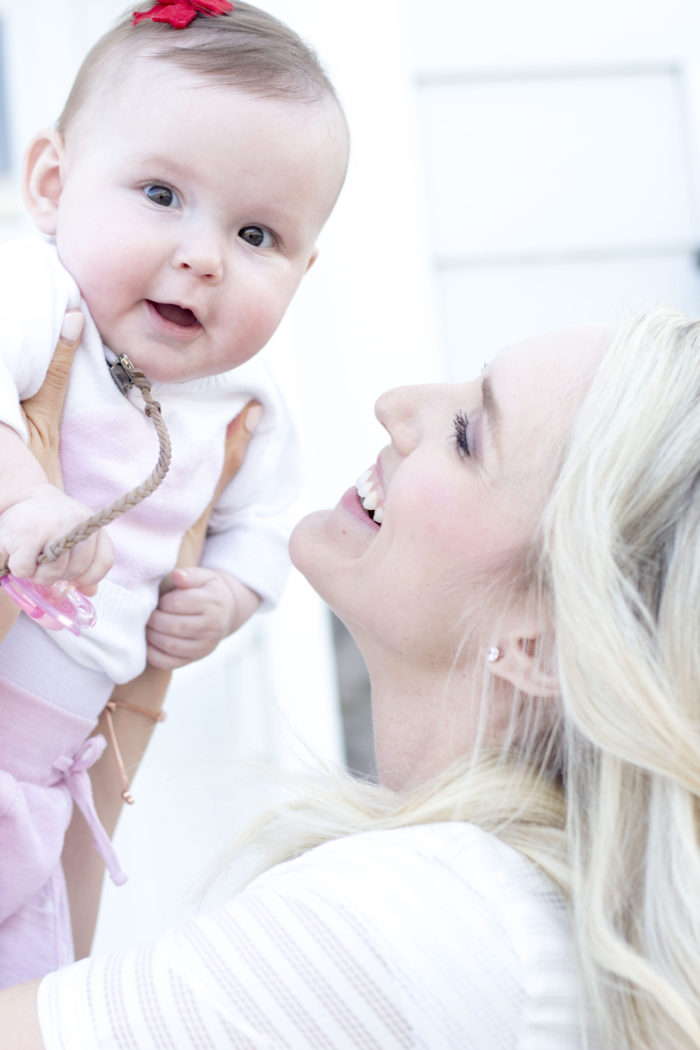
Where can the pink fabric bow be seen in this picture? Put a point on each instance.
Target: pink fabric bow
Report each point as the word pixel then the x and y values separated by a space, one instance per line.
pixel 179 13
pixel 74 773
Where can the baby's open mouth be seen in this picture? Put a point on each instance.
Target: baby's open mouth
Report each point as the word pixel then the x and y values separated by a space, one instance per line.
pixel 175 314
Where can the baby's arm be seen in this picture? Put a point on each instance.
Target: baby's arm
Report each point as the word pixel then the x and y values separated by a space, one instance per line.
pixel 33 512
pixel 204 606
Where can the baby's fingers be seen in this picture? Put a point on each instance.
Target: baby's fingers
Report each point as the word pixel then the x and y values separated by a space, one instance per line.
pixel 99 565
pixel 22 562
pixel 84 565
pixel 169 651
pixel 184 603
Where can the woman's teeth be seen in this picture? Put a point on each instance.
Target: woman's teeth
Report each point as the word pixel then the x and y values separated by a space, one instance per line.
pixel 370 497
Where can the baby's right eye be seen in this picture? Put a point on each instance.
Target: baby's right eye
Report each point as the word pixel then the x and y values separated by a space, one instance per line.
pixel 162 195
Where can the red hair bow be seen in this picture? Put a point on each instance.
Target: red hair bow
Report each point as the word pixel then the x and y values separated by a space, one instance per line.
pixel 179 13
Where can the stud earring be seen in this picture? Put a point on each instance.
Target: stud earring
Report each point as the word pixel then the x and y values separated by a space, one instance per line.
pixel 494 654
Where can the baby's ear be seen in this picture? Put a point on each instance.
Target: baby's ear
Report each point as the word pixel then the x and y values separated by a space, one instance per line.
pixel 312 259
pixel 42 183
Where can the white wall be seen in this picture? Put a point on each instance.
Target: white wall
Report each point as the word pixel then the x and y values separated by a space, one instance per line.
pixel 559 144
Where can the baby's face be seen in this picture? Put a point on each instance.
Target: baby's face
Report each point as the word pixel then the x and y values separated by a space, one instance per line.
pixel 189 214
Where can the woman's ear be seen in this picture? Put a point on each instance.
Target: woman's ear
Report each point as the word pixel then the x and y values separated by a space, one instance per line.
pixel 526 661
pixel 42 182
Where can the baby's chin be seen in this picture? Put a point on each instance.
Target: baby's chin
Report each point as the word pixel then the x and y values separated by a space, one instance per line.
pixel 162 363
pixel 159 371
pixel 132 361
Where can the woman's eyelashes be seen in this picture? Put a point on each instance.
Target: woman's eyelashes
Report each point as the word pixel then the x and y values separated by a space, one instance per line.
pixel 460 433
pixel 160 194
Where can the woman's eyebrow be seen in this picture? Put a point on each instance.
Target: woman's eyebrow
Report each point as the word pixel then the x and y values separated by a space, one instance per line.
pixel 490 407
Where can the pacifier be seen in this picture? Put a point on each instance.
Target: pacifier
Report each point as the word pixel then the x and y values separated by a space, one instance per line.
pixel 53 606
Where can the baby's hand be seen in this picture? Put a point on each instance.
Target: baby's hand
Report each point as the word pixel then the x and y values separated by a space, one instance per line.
pixel 205 606
pixel 43 514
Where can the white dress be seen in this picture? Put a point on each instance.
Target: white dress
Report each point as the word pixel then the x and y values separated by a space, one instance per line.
pixel 433 937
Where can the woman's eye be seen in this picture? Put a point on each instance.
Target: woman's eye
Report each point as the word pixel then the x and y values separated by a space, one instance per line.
pixel 162 195
pixel 460 433
pixel 257 236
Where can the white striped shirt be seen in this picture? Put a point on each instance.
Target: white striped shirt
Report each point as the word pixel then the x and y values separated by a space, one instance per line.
pixel 435 937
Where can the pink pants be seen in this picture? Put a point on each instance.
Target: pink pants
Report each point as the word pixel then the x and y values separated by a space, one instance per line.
pixel 44 757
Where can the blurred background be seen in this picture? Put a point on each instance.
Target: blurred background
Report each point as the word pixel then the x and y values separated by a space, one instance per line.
pixel 515 168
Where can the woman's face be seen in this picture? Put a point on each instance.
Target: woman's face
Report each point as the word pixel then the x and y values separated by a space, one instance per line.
pixel 458 493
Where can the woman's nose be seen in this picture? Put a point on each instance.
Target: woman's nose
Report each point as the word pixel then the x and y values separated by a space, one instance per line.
pixel 398 412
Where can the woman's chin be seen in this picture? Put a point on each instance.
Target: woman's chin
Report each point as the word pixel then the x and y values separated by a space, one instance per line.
pixel 303 542
pixel 325 539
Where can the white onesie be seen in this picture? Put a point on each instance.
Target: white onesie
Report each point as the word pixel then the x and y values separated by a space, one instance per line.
pixel 109 446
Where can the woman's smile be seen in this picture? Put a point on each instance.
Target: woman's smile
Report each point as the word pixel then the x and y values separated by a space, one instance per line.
pixel 371 494
pixel 352 503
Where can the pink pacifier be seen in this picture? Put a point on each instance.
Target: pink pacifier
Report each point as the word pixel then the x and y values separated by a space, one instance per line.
pixel 54 607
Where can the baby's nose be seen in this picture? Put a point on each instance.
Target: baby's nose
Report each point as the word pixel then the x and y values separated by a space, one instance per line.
pixel 203 256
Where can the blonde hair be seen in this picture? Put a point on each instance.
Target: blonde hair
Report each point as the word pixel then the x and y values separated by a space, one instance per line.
pixel 603 794
pixel 621 550
pixel 246 49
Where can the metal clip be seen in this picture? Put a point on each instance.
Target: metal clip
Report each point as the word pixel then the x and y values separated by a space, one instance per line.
pixel 123 372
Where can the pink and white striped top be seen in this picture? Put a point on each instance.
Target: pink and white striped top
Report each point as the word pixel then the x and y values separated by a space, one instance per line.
pixel 434 937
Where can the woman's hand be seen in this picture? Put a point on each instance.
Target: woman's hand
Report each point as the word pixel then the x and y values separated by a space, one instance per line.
pixel 198 607
pixel 238 434
pixel 42 415
pixel 43 412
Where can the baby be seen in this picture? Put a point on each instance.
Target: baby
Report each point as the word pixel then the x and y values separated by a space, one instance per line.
pixel 180 197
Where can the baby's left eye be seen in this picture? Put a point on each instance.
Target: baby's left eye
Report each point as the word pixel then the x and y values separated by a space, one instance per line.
pixel 162 195
pixel 257 236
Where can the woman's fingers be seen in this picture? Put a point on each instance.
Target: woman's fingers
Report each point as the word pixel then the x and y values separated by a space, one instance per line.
pixel 43 411
pixel 238 434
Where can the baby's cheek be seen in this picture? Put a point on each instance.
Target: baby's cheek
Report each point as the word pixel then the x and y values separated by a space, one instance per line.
pixel 249 326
